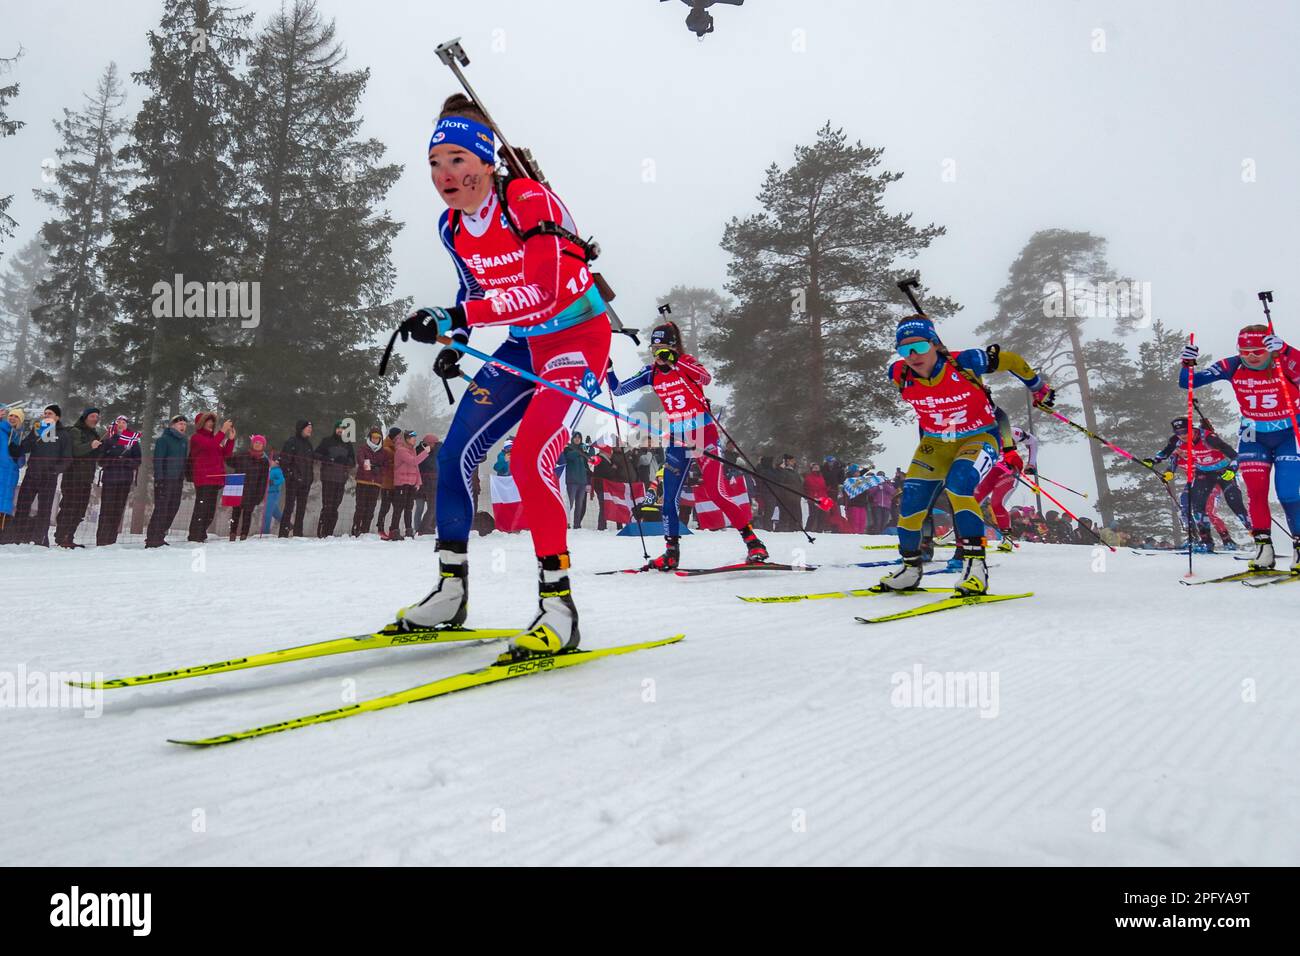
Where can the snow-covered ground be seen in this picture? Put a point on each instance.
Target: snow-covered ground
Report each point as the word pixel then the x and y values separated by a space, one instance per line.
pixel 1125 719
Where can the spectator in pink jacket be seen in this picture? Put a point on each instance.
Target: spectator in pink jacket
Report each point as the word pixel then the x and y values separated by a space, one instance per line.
pixel 882 502
pixel 406 481
pixel 209 449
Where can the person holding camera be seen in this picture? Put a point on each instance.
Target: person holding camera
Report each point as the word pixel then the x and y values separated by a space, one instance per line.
pixel 119 462
pixel 406 481
pixel 209 449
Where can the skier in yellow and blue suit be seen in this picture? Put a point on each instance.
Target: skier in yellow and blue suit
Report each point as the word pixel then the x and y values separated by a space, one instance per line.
pixel 960 441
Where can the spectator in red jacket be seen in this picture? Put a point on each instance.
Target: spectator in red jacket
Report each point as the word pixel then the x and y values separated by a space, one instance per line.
pixel 209 449
pixel 814 485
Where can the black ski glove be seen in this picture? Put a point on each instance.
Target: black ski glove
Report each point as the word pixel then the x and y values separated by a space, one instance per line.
pixel 427 324
pixel 447 364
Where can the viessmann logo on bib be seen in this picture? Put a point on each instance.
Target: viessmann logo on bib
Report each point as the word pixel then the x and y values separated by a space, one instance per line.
pixel 481 264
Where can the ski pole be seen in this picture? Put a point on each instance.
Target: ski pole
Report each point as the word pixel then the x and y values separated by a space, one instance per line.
pixel 741 468
pixel 1095 437
pixel 538 380
pixel 1209 427
pixel 1075 518
pixel 1109 444
pixel 1191 408
pixel 1265 298
pixel 631 491
pixel 1081 494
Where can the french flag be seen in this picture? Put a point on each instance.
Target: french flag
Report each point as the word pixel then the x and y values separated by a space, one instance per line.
pixel 232 495
pixel 507 509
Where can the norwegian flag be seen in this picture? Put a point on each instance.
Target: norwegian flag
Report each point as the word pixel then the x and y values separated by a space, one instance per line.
pixel 710 516
pixel 507 508
pixel 232 495
pixel 618 497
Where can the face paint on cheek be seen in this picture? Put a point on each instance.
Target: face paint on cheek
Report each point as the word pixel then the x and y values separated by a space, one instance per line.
pixel 471 180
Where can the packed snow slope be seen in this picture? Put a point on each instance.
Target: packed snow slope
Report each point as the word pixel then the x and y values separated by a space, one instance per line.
pixel 1133 720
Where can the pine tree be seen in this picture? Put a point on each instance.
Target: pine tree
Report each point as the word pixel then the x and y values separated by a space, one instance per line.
pixel 7 128
pixel 814 273
pixel 179 217
pixel 1057 285
pixel 318 247
pixel 77 308
pixel 20 341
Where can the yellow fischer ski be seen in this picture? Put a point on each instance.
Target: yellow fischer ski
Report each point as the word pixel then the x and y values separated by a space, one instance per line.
pixel 447 685
pixel 947 604
pixel 388 637
pixel 829 595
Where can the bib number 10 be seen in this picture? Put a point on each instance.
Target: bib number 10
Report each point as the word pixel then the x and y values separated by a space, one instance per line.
pixel 575 285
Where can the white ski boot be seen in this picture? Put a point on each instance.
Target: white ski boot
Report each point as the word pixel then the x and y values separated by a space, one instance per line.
pixel 906 578
pixel 555 628
pixel 1264 557
pixel 448 603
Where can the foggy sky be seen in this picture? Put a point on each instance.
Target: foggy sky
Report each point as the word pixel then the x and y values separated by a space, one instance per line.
pixel 1143 144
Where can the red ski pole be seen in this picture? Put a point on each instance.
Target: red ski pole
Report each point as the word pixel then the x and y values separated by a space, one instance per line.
pixel 1073 517
pixel 1081 494
pixel 1265 298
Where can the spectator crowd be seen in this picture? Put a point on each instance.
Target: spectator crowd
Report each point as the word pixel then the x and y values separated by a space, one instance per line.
pixel 392 475
pixel 47 463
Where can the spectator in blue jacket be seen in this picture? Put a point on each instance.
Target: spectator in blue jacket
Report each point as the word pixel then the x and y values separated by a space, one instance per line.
pixel 275 482
pixel 11 461
pixel 170 452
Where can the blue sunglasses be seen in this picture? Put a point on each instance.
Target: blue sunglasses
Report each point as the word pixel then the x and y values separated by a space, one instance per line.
pixel 915 348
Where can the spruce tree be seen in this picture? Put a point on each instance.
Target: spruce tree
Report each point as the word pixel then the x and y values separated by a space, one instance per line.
pixel 20 341
pixel 317 244
pixel 76 306
pixel 7 128
pixel 179 218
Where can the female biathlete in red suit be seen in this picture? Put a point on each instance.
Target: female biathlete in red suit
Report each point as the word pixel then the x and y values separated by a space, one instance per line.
pixel 531 271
